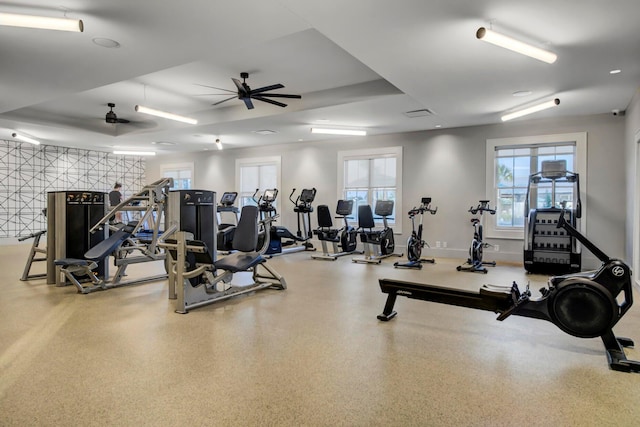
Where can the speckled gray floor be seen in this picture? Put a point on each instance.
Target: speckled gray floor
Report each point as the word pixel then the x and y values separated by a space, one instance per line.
pixel 312 355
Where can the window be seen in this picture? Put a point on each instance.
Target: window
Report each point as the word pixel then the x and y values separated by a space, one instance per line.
pixel 510 161
pixel 366 176
pixel 182 175
pixel 252 174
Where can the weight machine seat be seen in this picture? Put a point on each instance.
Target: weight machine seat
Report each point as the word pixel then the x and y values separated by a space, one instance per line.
pixel 245 240
pixel 104 248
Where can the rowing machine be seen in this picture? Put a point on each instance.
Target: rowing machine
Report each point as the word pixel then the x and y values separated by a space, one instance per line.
pixel 585 305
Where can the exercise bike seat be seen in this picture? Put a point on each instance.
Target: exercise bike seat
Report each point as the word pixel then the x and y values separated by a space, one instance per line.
pixel 474 221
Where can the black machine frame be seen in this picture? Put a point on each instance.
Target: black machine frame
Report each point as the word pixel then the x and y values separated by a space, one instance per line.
pixel 585 305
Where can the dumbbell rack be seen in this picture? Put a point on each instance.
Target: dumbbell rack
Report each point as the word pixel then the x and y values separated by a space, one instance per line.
pixel 552 247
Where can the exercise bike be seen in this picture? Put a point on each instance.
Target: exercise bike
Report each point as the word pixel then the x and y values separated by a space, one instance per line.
pixel 346 237
pixel 415 242
pixel 584 305
pixel 474 262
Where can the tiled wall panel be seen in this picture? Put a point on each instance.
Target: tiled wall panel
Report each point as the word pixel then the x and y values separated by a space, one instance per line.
pixel 28 172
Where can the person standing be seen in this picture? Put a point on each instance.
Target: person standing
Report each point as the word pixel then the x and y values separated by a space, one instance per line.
pixel 115 197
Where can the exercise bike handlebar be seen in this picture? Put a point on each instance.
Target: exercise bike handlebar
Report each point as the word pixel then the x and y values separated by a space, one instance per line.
pixel 482 207
pixel 421 210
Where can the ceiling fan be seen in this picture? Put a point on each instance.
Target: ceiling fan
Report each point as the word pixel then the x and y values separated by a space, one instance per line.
pixel 247 94
pixel 111 116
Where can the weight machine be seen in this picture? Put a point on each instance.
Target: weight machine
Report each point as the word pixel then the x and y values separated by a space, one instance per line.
pixel 194 274
pixel 128 243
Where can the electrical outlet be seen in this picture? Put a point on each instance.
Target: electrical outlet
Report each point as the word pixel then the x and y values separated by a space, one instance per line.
pixel 444 244
pixel 496 248
pixel 438 244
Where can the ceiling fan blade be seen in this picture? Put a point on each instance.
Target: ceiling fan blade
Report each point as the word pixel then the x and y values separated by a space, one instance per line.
pixel 280 95
pixel 248 103
pixel 267 88
pixel 213 94
pixel 123 121
pixel 270 101
pixel 216 88
pixel 224 100
pixel 241 87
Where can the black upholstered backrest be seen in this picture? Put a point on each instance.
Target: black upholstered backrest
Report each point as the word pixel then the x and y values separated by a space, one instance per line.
pixel 245 238
pixel 324 217
pixel 365 217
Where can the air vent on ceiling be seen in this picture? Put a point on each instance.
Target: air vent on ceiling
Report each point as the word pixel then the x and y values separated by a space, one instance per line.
pixel 264 132
pixel 424 112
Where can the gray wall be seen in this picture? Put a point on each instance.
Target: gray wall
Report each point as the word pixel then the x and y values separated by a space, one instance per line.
pixel 447 165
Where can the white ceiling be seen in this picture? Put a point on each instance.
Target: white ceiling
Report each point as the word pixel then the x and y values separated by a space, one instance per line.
pixel 356 63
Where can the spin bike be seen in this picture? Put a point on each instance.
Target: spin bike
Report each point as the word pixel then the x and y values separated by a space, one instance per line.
pixel 415 242
pixel 475 262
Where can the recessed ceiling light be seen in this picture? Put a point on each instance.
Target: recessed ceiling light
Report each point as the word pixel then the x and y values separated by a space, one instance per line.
pixel 522 93
pixel 438 126
pixel 103 42
pixel 264 132
pixel 617 71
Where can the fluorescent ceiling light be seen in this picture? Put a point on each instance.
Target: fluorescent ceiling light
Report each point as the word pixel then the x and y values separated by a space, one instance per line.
pixel 42 22
pixel 219 144
pixel 165 115
pixel 350 132
pixel 25 138
pixel 530 110
pixel 135 153
pixel 515 45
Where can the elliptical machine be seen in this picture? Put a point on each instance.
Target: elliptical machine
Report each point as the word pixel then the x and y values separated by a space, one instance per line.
pixel 474 262
pixel 281 239
pixel 345 237
pixel 415 242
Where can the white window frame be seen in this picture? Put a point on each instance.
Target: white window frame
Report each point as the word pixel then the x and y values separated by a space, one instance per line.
pixel 580 140
pixel 636 216
pixel 180 167
pixel 371 153
pixel 259 161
